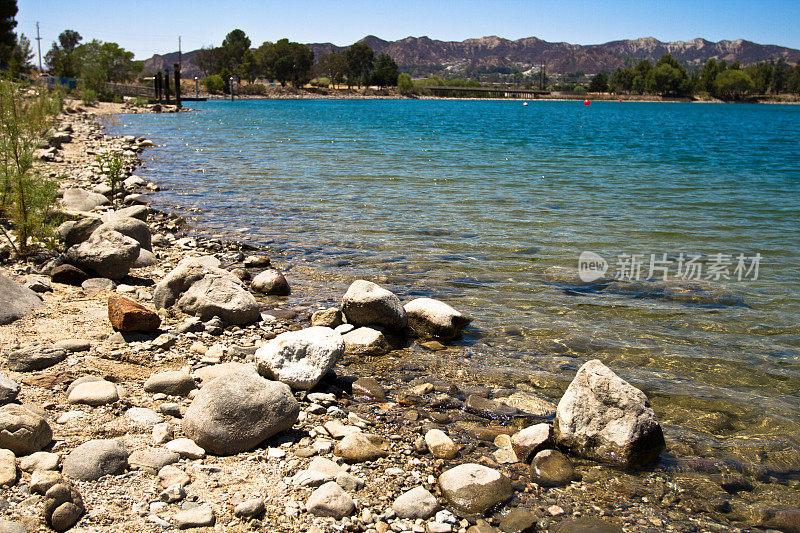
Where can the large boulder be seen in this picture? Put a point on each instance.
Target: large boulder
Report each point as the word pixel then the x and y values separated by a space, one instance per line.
pixel 366 303
pixel 130 227
pixel 199 287
pixel 300 358
pixel 110 254
pixel 82 200
pixel 16 301
pixel 22 431
pixel 473 489
pixel 128 315
pixel 238 411
pixel 139 212
pixel 605 418
pixel 429 318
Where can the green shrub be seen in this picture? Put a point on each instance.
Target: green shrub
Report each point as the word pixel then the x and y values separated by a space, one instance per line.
pixel 111 165
pixel 214 84
pixel 89 97
pixel 404 84
pixel 26 198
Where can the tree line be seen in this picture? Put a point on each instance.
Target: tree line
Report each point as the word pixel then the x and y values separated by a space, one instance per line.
pixel 719 79
pixel 288 62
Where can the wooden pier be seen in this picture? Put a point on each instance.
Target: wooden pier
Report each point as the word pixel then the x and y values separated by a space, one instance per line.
pixel 485 92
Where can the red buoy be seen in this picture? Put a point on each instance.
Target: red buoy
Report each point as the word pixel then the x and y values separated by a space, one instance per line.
pixel 586 102
pixel 620 100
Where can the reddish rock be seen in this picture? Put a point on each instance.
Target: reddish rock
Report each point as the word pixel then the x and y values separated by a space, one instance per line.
pixel 128 315
pixel 68 275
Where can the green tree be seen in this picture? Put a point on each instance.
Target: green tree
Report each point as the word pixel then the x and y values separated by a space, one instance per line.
pixel 234 47
pixel 360 62
pixel 669 78
pixel 285 61
pixel 761 74
pixel 210 60
pixel 599 83
pixel 640 78
pixel 248 68
pixel 386 71
pixel 21 56
pixel 8 40
pixel 62 59
pixel 334 65
pixel 708 76
pixel 793 80
pixel 404 84
pixel 26 197
pixel 779 77
pixel 622 80
pixel 734 84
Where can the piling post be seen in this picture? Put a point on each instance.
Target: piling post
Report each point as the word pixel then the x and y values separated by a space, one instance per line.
pixel 196 91
pixel 176 68
pixel 156 95
pixel 166 85
pixel 231 84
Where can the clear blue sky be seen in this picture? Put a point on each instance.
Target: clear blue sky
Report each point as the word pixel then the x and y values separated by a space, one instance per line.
pixel 147 27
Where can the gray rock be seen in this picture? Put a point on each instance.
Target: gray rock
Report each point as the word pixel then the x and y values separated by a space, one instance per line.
pixel 519 520
pixel 550 468
pixel 39 285
pixel 366 303
pixel 94 393
pixel 96 458
pixel 134 182
pixel 110 254
pixel 138 212
pixel 603 417
pixel 40 461
pixel 22 431
pixel 186 448
pixel 82 200
pixel 172 475
pixel 236 412
pixel 207 373
pixel 63 506
pixel 366 341
pixel 130 227
pixel 329 318
pixel 440 445
pixel 146 258
pixel 98 284
pixel 7 526
pixel 358 447
pixel 73 345
pixel 300 358
pixel 42 480
pixel 8 468
pixel 163 433
pixel 250 508
pixel 9 389
pixel 68 275
pixel 349 482
pixel 36 357
pixel 489 408
pixel 271 281
pixel 143 416
pixel 416 503
pixel 429 318
pixel 172 494
pixel 199 288
pixel 531 440
pixel 152 459
pixel 473 488
pixel 75 232
pixel 172 382
pixel 16 301
pixel 202 516
pixel 330 500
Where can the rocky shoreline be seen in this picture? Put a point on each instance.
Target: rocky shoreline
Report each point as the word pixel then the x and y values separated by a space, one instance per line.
pixel 164 383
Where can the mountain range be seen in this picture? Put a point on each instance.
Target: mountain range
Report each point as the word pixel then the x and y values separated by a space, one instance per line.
pixel 422 56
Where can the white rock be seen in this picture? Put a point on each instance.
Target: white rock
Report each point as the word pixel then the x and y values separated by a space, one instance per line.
pixel 300 358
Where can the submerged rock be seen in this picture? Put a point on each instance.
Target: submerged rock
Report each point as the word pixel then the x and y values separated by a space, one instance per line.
pixel 429 318
pixel 271 281
pixel 366 341
pixel 603 417
pixel 550 468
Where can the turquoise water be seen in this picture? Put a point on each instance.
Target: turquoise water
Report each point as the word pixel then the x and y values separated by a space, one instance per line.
pixel 472 201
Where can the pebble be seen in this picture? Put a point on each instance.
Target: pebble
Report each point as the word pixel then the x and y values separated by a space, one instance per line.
pixel 39 461
pixel 163 432
pixel 440 445
pixel 250 508
pixel 186 448
pixel 94 393
pixel 172 494
pixel 170 475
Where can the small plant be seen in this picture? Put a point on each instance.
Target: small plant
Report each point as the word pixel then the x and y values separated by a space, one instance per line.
pixel 214 83
pixel 89 97
pixel 26 198
pixel 111 165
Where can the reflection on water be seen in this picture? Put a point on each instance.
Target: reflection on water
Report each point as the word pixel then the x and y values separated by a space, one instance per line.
pixel 475 202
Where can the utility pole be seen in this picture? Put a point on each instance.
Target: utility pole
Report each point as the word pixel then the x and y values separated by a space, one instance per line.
pixel 179 52
pixel 39 45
